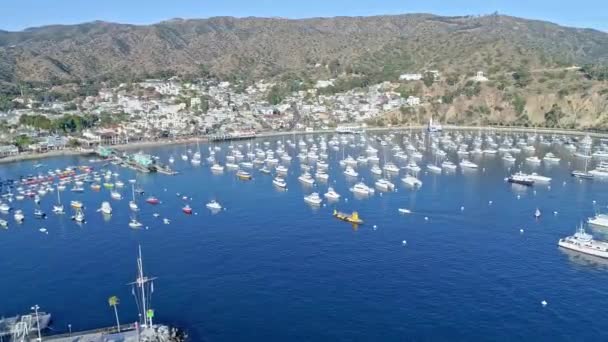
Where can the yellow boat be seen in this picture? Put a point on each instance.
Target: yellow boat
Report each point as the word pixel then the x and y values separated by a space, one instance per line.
pixel 244 175
pixel 95 187
pixel 108 185
pixel 352 218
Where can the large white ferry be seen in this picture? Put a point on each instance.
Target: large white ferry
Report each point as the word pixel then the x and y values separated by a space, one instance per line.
pixel 583 242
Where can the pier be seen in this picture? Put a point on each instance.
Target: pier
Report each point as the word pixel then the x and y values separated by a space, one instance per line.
pixel 128 333
pixel 139 162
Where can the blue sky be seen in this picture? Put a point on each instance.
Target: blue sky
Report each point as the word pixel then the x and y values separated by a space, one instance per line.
pixel 19 14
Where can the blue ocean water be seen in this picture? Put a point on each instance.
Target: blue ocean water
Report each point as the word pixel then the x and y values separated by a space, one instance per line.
pixel 271 268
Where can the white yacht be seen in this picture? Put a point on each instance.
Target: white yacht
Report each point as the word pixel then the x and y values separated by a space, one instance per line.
pixel 279 182
pixel 217 168
pixel 105 208
pixel 601 170
pixel 232 166
pixel 322 176
pixel 362 189
pixel 533 160
pixel 281 169
pixel 332 195
pixel 584 243
pixel 412 166
pixel 116 195
pixel 539 178
pixel 467 164
pixel 448 165
pixel 214 205
pixel 411 181
pixel 313 199
pixel 390 167
pixel 600 220
pixel 433 168
pixel 551 158
pixel 376 170
pixel 350 172
pixel 4 207
pixel 136 224
pixel 508 158
pixel 306 178
pixel 3 223
pixel 384 185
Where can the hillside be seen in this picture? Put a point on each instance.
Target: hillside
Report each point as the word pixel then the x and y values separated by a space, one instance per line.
pixel 526 61
pixel 263 47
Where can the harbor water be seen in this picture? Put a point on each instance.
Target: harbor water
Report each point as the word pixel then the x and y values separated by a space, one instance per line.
pixel 470 262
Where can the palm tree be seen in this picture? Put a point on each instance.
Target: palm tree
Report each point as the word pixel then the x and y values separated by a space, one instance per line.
pixel 114 301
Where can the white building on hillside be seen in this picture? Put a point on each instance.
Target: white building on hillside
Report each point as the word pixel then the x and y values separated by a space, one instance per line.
pixel 410 77
pixel 480 77
pixel 413 101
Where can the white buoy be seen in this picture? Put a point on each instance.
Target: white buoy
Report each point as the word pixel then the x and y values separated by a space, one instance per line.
pixel 462 208
pixel 404 242
pixel 490 202
pixel 518 196
pixel 375 226
pixel 544 303
pixel 346 200
pixel 549 187
pixel 521 231
pixel 593 201
pixel 426 218
pixel 534 192
pixel 555 213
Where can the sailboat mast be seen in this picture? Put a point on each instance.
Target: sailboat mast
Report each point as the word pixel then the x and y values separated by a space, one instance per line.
pixel 141 281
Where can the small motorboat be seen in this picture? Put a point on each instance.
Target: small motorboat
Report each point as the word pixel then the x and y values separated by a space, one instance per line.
pixel 152 200
pixel 18 215
pixel 106 208
pixel 537 213
pixel 279 182
pixel 76 204
pixel 135 224
pixel 244 175
pixel 187 210
pixel 214 205
pixel 79 216
pixel 38 213
pixel 116 195
pixel 404 211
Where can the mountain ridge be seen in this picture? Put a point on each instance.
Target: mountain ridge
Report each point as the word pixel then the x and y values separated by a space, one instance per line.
pixel 266 47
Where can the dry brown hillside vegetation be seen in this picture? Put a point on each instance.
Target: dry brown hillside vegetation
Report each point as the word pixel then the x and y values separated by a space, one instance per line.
pixel 526 61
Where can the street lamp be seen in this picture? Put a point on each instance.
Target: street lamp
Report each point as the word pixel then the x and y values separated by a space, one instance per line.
pixel 35 308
